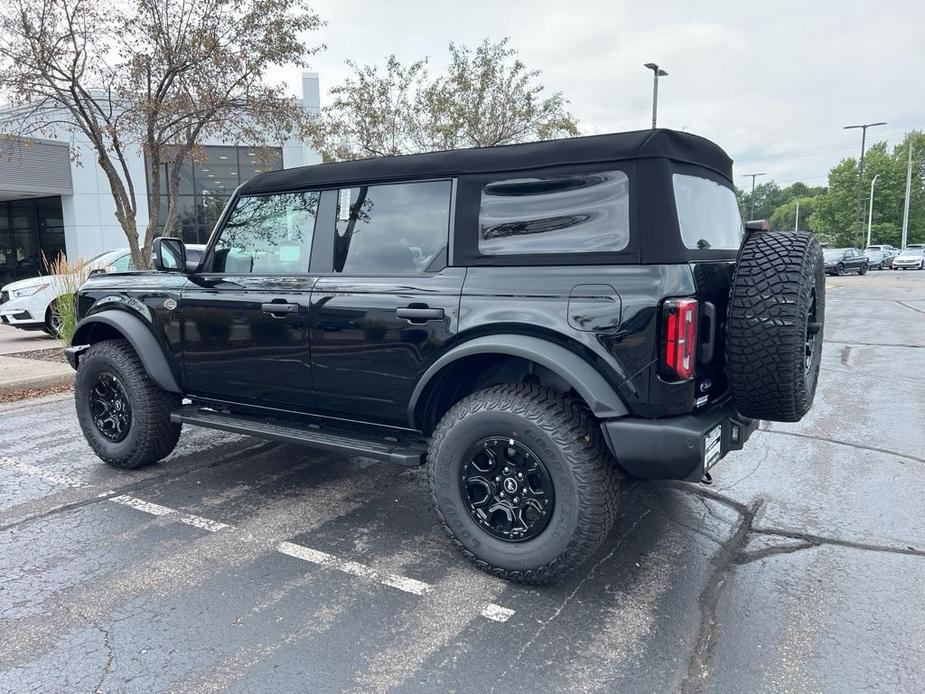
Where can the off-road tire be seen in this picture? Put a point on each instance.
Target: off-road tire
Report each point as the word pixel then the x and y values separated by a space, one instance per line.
pixel 151 435
pixel 567 438
pixel 776 275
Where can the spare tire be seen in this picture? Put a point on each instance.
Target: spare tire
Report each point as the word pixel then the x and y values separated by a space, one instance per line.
pixel 774 327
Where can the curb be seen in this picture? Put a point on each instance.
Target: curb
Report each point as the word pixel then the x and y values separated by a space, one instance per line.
pixel 36 382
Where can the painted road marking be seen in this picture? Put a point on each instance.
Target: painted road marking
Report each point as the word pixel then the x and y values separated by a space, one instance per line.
pixel 46 475
pixel 157 510
pixel 491 611
pixel 409 585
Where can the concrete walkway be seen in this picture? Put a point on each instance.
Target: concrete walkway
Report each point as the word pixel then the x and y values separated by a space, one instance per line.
pixel 27 374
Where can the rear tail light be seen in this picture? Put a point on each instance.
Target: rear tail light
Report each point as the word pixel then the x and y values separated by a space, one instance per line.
pixel 679 338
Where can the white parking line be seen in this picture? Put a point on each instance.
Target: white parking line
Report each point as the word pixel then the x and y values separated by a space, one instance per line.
pixel 409 585
pixel 46 475
pixel 491 611
pixel 157 510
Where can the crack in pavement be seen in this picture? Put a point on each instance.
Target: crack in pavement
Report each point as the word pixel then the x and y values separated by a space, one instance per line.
pixel 565 602
pixel 141 485
pixel 874 344
pixel 905 305
pixel 859 446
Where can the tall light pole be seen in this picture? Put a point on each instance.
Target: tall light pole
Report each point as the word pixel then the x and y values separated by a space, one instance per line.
pixel 751 197
pixel 870 215
pixel 656 73
pixel 859 215
pixel 905 236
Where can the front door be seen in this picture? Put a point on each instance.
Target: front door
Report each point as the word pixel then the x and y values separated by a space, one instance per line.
pixel 244 317
pixel 388 305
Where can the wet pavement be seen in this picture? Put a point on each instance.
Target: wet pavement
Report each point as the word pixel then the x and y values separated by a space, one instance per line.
pixel 247 566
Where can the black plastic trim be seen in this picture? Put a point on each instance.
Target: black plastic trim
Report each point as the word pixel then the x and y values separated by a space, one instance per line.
pixel 600 396
pixel 139 336
pixel 672 448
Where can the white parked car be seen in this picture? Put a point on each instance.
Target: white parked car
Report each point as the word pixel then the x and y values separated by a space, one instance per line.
pixel 911 258
pixel 29 304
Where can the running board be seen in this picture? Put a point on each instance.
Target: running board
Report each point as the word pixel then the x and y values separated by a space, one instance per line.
pixel 388 449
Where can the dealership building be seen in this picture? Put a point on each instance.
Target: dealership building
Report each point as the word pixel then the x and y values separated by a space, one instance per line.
pixel 54 197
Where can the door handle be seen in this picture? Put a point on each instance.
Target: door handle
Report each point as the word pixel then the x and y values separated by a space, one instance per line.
pixel 279 308
pixel 419 314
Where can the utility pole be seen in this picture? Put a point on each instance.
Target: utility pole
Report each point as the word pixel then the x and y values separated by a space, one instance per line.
pixel 751 197
pixel 870 216
pixel 859 216
pixel 656 73
pixel 908 195
pixel 796 223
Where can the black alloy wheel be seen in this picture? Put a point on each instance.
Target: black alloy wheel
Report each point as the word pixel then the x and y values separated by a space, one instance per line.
pixel 110 408
pixel 840 269
pixel 812 331
pixel 507 489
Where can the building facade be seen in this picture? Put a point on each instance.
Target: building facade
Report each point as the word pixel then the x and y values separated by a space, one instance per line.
pixel 54 197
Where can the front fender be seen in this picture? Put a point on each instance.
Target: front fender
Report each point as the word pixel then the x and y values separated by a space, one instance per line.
pixel 587 381
pixel 138 335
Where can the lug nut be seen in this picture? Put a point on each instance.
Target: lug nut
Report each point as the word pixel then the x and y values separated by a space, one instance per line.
pixel 502 495
pixel 516 500
pixel 520 475
pixel 497 479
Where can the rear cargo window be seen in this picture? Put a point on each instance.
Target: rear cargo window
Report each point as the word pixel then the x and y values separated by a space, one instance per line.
pixel 577 213
pixel 707 213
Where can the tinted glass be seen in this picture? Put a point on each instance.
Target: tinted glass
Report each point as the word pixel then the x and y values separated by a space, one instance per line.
pixel 393 229
pixel 707 213
pixel 576 213
pixel 268 234
pixel 123 263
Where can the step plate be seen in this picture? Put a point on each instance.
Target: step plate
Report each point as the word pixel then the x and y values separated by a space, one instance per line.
pixel 409 453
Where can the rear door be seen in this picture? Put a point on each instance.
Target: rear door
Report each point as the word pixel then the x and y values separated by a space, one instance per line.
pixel 711 229
pixel 244 316
pixel 389 301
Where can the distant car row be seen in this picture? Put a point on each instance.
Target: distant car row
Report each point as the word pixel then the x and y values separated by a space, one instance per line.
pixel 30 304
pixel 839 261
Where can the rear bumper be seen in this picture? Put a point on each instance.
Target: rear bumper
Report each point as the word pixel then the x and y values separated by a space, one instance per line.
pixel 675 448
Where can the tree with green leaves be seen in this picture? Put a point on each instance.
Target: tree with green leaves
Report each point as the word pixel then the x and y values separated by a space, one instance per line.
pixel 486 97
pixel 158 76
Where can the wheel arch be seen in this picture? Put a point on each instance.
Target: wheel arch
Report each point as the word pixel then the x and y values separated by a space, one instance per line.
pixel 115 325
pixel 453 366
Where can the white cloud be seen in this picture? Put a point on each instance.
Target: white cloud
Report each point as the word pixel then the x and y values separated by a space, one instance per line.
pixel 772 82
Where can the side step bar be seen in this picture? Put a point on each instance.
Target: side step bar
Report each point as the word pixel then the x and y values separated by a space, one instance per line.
pixel 408 452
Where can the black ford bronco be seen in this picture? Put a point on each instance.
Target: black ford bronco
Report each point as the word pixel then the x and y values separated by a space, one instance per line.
pixel 534 322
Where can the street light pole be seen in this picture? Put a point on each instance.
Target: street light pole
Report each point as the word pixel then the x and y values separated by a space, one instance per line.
pixel 656 73
pixel 870 215
pixel 905 236
pixel 751 197
pixel 859 215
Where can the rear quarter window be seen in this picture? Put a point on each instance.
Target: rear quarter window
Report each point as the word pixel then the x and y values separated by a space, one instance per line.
pixel 573 213
pixel 708 213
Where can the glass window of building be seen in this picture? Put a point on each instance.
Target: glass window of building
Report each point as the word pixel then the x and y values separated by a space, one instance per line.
pixel 31 235
pixel 207 184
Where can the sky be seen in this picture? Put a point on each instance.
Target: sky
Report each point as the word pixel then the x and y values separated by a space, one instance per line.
pixel 772 82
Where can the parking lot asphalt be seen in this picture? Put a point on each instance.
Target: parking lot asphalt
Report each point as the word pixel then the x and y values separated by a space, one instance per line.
pixel 247 566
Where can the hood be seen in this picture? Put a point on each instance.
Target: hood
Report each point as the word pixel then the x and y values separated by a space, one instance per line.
pixel 23 284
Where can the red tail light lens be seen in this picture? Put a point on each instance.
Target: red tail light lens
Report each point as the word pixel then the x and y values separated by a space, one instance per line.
pixel 679 338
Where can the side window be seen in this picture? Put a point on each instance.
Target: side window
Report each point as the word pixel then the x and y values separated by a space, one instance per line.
pixel 400 228
pixel 574 213
pixel 123 263
pixel 268 234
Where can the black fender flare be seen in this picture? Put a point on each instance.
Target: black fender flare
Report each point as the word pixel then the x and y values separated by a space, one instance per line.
pixel 595 390
pixel 139 336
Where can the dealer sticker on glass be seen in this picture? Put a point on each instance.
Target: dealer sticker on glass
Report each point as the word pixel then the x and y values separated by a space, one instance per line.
pixel 713 445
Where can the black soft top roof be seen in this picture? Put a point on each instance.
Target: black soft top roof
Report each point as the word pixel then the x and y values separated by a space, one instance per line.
pixel 670 144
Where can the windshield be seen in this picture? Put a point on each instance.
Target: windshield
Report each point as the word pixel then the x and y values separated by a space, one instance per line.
pixel 874 250
pixel 833 253
pixel 911 253
pixel 707 213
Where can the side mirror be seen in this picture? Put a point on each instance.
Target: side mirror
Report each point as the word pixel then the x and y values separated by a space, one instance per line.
pixel 757 225
pixel 168 254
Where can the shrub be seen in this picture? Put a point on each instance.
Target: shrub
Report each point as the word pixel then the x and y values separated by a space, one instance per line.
pixel 67 277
